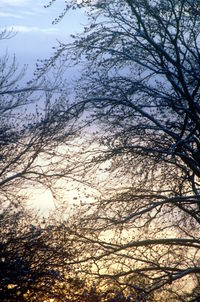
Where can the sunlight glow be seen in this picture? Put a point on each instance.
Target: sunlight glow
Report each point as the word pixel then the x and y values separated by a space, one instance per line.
pixel 41 200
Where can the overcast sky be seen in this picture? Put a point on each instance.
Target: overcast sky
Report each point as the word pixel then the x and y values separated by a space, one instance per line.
pixel 33 23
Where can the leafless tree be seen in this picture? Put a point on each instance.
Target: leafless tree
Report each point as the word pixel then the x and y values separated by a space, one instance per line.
pixel 36 129
pixel 141 84
pixel 33 257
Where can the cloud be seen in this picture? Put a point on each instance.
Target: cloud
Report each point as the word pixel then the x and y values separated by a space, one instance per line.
pixel 31 29
pixel 18 3
pixel 10 15
pixel 20 9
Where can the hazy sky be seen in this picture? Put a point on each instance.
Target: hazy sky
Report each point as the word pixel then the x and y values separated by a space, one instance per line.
pixel 33 23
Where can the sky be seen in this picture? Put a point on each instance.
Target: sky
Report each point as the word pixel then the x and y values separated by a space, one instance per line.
pixel 32 23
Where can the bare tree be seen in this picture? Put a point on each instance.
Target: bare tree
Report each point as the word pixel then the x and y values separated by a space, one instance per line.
pixel 141 83
pixel 36 129
pixel 35 256
pixel 37 134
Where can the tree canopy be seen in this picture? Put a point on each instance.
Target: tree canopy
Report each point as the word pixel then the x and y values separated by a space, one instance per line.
pixel 138 96
pixel 140 85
